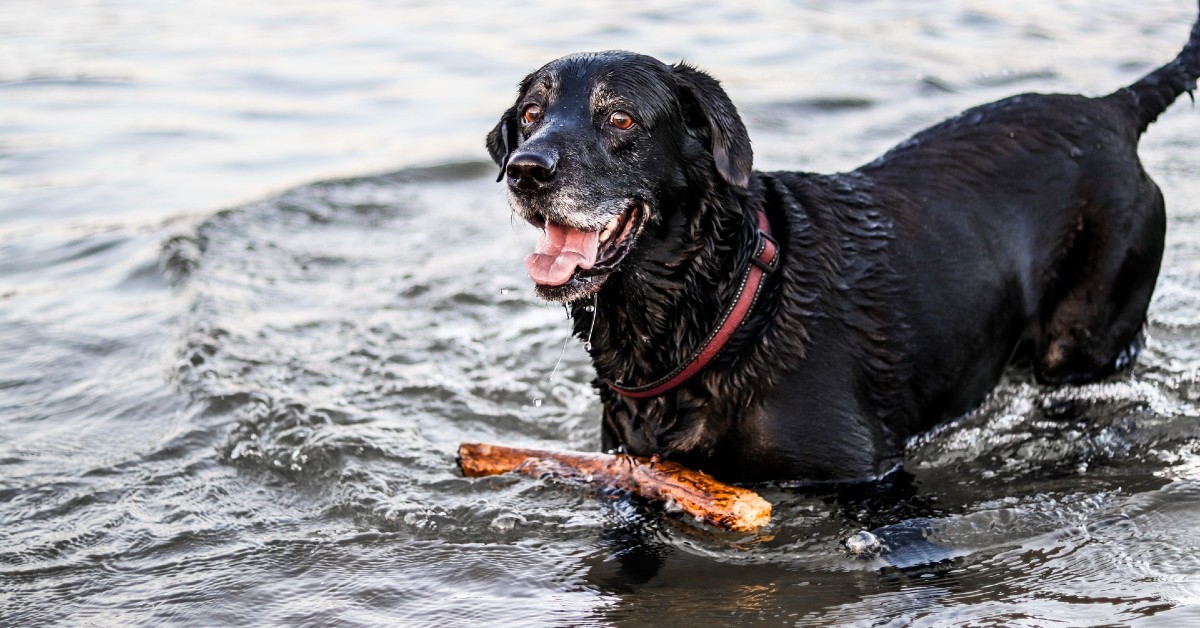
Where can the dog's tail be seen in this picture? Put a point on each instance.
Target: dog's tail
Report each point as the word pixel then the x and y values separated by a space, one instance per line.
pixel 1152 94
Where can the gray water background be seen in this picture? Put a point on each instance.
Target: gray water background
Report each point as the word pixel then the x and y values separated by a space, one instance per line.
pixel 231 396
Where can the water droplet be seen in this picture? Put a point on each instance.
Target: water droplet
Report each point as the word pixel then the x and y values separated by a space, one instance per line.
pixel 506 522
pixel 589 308
pixel 587 346
pixel 537 403
pixel 504 291
pixel 863 544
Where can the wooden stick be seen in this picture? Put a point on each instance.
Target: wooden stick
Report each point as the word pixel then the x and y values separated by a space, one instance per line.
pixel 695 492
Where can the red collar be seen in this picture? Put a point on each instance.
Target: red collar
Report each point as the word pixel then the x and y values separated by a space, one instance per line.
pixel 764 262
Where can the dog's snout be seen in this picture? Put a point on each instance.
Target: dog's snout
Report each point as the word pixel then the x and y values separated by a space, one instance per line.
pixel 530 170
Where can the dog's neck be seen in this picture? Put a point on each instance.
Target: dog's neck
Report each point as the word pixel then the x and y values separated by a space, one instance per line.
pixel 653 315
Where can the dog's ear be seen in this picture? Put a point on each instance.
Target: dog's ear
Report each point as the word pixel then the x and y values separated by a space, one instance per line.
pixel 503 139
pixel 713 116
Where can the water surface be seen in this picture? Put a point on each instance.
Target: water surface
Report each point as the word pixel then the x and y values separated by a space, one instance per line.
pixel 231 395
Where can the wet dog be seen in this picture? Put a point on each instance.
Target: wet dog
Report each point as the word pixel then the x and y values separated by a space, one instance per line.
pixel 799 327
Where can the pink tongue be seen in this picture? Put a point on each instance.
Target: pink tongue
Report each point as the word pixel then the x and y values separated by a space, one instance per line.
pixel 560 250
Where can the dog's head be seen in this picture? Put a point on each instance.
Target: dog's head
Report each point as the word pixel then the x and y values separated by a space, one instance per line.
pixel 599 148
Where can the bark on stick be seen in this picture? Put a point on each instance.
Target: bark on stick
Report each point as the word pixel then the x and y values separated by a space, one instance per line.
pixel 695 492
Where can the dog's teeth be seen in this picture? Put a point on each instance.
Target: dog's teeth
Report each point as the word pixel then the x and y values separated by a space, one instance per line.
pixel 610 228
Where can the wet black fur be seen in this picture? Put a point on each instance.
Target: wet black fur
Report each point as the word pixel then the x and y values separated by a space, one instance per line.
pixel 1021 229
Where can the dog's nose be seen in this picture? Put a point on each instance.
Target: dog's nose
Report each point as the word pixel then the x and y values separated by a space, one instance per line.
pixel 530 170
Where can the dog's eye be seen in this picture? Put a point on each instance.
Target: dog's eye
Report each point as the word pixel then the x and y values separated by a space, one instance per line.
pixel 621 120
pixel 532 114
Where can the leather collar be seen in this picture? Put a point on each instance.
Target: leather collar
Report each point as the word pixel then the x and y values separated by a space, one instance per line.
pixel 764 262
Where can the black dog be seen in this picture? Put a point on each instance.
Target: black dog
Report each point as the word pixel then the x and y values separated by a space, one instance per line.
pixel 798 327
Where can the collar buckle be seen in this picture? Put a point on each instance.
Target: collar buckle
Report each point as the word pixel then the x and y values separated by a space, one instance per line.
pixel 767 255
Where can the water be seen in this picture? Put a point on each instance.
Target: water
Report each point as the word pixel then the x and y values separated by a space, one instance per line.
pixel 232 396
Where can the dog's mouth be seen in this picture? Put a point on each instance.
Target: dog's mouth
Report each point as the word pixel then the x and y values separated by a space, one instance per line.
pixel 566 254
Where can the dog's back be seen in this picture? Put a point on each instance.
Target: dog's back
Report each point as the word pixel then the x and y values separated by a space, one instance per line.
pixel 1040 204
